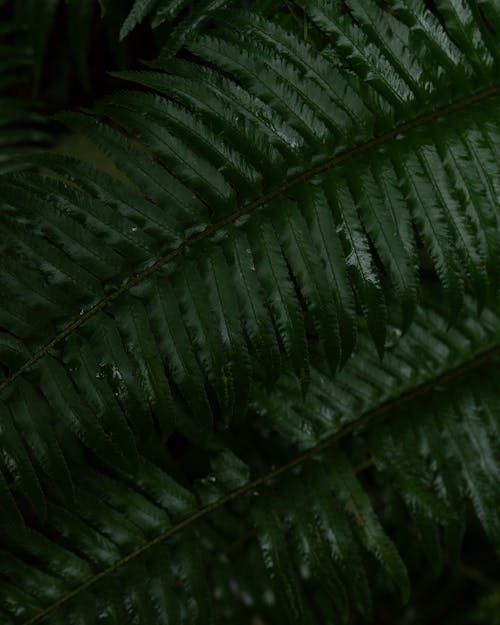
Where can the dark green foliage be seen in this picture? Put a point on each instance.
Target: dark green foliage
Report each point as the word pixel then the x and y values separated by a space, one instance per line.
pixel 36 27
pixel 275 313
pixel 22 127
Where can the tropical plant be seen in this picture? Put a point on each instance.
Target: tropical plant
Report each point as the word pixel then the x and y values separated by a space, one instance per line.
pixel 249 371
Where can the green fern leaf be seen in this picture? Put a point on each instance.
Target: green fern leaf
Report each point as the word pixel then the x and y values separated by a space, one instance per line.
pixel 288 278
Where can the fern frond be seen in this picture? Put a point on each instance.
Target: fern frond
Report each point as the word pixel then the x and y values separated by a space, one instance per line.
pixel 251 261
pixel 261 256
pixel 430 432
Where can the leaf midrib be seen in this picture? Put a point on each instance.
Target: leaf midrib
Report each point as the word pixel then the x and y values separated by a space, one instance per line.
pixel 213 229
pixel 362 421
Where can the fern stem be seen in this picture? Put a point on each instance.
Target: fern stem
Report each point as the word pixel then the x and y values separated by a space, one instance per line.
pixel 292 12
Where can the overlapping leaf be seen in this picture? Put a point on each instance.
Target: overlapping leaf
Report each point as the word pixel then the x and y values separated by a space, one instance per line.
pixel 259 246
pixel 276 194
